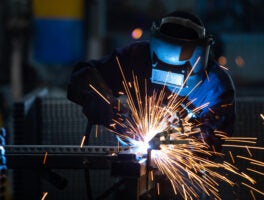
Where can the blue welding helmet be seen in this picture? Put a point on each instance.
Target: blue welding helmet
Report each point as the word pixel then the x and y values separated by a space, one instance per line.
pixel 179 52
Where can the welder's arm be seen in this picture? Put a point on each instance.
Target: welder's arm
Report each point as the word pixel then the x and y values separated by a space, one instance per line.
pixel 219 118
pixel 96 108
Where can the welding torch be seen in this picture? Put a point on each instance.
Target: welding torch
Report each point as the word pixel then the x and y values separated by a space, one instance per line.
pixel 175 125
pixel 156 141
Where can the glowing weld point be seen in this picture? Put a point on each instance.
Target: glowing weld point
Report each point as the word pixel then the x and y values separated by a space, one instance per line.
pixel 44 195
pixel 83 139
pixel 45 158
pixel 140 145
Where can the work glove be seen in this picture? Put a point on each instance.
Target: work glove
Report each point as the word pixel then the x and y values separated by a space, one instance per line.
pixel 97 110
pixel 105 111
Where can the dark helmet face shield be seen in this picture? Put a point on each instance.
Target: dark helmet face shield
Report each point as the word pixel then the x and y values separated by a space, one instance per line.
pixel 178 64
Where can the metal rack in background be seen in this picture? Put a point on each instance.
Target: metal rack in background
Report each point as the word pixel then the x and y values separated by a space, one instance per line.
pixel 42 119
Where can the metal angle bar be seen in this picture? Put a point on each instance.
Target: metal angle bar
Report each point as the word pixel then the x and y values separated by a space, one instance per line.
pixel 61 149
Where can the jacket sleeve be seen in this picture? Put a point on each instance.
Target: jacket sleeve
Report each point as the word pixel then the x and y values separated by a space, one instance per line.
pixel 83 77
pixel 103 74
pixel 89 89
pixel 219 120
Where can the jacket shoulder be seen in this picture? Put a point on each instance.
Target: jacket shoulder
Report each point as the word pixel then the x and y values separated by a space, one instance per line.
pixel 221 75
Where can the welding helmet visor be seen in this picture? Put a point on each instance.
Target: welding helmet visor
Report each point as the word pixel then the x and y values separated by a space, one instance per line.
pixel 177 62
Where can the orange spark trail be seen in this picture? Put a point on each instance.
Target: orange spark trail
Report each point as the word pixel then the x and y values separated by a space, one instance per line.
pixel 258 172
pixel 83 139
pixel 96 130
pixel 44 195
pixel 158 188
pixel 256 190
pixel 100 94
pixel 231 156
pixel 45 158
pixel 252 194
pixel 250 159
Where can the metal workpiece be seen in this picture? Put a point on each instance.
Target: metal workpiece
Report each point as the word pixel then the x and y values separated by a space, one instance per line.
pixel 128 165
pixel 60 157
pixel 135 170
pixel 58 149
pixel 125 163
pixel 164 138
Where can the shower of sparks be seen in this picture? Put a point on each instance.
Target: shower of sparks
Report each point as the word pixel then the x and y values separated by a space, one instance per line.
pixel 185 164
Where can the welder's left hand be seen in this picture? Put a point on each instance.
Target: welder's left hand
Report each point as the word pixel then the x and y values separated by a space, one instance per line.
pixel 97 110
pixel 121 115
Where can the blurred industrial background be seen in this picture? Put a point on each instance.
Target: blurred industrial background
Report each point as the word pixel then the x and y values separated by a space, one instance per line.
pixel 41 40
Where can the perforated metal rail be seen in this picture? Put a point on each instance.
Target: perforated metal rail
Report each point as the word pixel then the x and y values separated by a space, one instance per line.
pixel 61 149
pixel 61 157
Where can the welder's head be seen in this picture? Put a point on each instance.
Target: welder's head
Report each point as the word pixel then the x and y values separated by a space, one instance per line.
pixel 179 51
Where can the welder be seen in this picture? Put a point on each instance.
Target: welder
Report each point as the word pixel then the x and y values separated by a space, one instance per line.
pixel 179 45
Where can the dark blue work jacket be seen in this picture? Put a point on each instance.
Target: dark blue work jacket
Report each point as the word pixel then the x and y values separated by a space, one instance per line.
pixel 217 88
